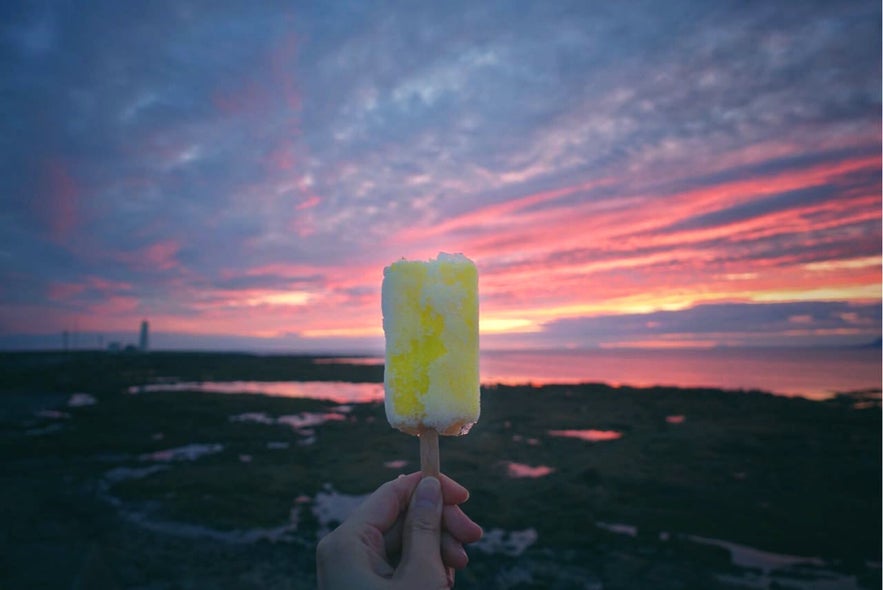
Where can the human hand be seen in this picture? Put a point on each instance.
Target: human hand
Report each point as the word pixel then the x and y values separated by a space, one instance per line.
pixel 408 534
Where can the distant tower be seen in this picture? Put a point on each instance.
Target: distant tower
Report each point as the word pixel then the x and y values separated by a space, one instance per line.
pixel 144 341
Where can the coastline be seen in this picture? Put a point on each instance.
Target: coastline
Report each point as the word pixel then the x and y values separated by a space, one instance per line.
pixel 814 373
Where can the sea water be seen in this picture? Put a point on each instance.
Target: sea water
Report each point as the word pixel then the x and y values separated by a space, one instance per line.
pixel 813 373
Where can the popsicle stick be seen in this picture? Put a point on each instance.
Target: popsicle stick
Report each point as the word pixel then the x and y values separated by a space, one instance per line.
pixel 429 453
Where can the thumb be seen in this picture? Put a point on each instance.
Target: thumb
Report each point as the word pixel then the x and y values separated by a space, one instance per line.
pixel 421 551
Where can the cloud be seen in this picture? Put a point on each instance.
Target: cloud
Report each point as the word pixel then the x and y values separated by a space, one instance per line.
pixel 730 324
pixel 594 160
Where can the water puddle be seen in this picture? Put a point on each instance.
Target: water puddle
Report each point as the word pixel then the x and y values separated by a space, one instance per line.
pixel 749 557
pixel 119 474
pixel 143 514
pixel 520 470
pixel 337 391
pixel 331 508
pixel 618 528
pixel 302 423
pixel 53 415
pixel 309 419
pixel 79 400
pixel 509 543
pixel 764 569
pixel 588 435
pixel 190 452
pixel 76 400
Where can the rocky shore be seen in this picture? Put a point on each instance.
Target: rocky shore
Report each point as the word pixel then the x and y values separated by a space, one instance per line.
pixel 576 486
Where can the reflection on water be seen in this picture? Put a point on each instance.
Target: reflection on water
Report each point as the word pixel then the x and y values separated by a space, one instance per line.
pixel 749 557
pixel 119 474
pixel 813 373
pixel 520 470
pixel 309 419
pixel 763 569
pixel 618 528
pixel 511 543
pixel 331 508
pixel 589 435
pixel 336 391
pixel 190 452
pixel 295 421
pixel 302 423
pixel 675 419
pixel 79 400
pixel 53 415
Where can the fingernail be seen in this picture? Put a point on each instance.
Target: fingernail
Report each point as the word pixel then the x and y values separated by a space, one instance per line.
pixel 428 492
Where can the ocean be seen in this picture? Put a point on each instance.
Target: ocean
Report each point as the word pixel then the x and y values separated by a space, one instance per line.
pixel 811 373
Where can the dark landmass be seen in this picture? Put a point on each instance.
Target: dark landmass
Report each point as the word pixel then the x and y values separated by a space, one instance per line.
pixel 83 491
pixel 60 371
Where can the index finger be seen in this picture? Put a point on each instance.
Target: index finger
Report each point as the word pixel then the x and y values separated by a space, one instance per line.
pixel 452 491
pixel 382 508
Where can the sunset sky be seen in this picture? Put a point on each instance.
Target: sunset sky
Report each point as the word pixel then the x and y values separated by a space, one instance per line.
pixel 684 173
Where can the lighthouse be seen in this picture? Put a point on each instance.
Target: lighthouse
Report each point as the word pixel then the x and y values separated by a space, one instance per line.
pixel 144 341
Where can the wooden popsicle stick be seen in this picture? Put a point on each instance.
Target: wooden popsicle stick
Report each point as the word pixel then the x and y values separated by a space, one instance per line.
pixel 429 463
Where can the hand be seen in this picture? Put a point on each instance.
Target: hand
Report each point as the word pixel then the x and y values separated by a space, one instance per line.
pixel 408 534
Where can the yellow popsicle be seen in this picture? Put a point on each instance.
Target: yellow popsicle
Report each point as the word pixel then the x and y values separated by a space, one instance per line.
pixel 430 318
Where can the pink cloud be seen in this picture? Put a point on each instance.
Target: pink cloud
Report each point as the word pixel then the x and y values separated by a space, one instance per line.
pixel 309 203
pixel 64 291
pixel 106 285
pixel 282 158
pixel 90 288
pixel 161 255
pixel 551 255
pixel 114 308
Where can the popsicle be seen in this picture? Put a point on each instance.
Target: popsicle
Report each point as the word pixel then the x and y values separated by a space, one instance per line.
pixel 430 319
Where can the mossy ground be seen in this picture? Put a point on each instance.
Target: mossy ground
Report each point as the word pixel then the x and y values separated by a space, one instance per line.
pixel 784 475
